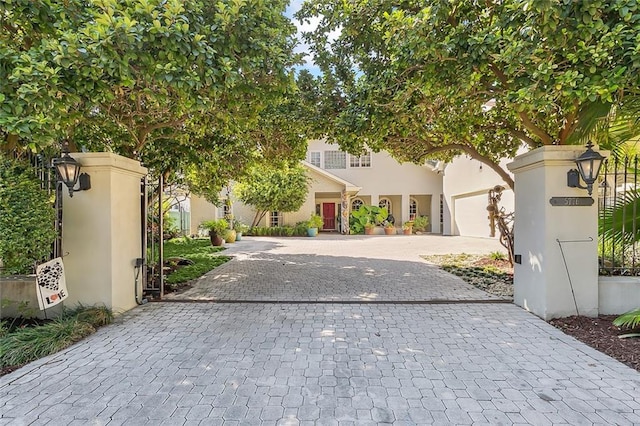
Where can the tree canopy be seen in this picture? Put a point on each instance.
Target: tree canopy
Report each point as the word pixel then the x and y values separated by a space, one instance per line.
pixel 274 187
pixel 432 79
pixel 174 83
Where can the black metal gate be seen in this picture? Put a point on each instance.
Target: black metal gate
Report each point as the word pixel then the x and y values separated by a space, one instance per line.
pixel 46 173
pixel 152 237
pixel 619 217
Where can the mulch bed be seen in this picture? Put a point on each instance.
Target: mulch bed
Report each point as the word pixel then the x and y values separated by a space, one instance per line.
pixel 601 334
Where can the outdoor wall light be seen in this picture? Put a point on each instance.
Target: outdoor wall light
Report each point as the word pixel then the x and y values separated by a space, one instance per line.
pixel 589 163
pixel 68 170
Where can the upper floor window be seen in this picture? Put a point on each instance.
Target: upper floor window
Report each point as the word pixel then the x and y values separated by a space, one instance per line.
pixel 363 160
pixel 356 204
pixel 335 160
pixel 314 158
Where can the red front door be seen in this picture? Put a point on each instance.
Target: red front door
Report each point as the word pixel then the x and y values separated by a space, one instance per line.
pixel 329 216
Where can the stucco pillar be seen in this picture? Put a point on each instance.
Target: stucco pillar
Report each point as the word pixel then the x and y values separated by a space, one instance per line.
pixel 557 244
pixel 434 219
pixel 102 232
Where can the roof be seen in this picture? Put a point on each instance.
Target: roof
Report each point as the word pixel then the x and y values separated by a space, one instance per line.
pixel 348 186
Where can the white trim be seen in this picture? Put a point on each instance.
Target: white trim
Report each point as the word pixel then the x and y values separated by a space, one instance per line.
pixel 348 186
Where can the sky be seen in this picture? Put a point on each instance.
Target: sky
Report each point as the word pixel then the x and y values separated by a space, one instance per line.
pixel 302 47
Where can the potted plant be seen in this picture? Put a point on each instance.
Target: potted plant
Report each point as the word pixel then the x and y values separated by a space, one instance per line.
pixel 420 224
pixel 369 227
pixel 407 227
pixel 240 228
pixel 216 230
pixel 389 228
pixel 313 224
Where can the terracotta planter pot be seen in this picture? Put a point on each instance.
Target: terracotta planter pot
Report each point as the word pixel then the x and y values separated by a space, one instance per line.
pixel 390 231
pixel 216 240
pixel 368 231
pixel 406 231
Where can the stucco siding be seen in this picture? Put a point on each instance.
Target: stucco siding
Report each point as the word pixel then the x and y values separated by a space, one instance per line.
pixel 466 185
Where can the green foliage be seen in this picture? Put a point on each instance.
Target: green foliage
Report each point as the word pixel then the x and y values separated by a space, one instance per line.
pixel 497 255
pixel 147 69
pixel 216 226
pixel 26 218
pixel 315 221
pixel 281 187
pixel 279 231
pixel 27 344
pixel 433 79
pixel 31 343
pixel 240 227
pixel 366 216
pixel 97 316
pixel 421 223
pixel 630 319
pixel 199 251
pixel 617 222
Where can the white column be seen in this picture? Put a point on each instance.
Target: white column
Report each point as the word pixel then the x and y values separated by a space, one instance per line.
pixel 102 232
pixel 405 210
pixel 557 244
pixel 435 213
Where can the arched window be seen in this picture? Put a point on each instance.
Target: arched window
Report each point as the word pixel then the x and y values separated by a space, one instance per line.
pixel 385 202
pixel 413 208
pixel 356 204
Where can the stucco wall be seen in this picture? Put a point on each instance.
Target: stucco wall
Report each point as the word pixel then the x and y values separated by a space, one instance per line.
pixel 387 177
pixel 466 184
pixel 201 210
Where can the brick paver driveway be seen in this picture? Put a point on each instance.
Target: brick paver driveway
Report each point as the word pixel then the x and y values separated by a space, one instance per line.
pixel 339 268
pixel 324 363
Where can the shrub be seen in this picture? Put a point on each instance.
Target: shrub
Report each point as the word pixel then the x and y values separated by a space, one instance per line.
pixel 27 344
pixel 315 221
pixel 300 229
pixel 27 219
pixel 215 226
pixel 420 223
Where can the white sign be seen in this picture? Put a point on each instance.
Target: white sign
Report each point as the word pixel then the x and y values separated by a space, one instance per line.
pixel 51 286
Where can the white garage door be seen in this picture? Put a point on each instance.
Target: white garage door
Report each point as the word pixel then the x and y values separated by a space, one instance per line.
pixel 471 216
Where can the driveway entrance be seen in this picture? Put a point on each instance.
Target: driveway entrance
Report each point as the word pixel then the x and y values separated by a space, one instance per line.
pixel 336 268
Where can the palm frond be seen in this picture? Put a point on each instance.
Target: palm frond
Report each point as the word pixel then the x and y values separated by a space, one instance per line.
pixel 620 222
pixel 592 120
pixel 630 319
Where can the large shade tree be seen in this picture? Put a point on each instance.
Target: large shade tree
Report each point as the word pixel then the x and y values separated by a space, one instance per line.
pixel 163 81
pixel 433 79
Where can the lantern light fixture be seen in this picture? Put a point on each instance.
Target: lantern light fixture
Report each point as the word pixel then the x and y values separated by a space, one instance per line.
pixel 68 170
pixel 589 164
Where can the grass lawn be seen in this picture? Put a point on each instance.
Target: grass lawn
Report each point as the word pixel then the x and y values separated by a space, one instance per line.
pixel 204 256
